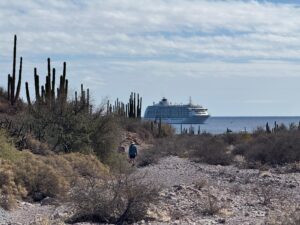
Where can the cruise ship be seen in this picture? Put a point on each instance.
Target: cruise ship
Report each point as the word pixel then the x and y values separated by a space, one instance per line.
pixel 176 114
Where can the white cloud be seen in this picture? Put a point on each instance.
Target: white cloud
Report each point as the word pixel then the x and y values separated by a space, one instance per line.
pixel 204 69
pixel 105 39
pixel 153 28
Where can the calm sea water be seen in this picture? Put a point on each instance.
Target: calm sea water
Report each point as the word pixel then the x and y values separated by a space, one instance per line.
pixel 218 125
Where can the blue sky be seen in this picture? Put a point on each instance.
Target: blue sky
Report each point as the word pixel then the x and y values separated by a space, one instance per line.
pixel 237 58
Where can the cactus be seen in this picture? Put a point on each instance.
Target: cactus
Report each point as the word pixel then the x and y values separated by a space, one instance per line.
pixel 27 94
pixel 45 95
pixel 19 81
pixel 53 86
pixel 134 106
pixel 139 107
pixel 268 130
pixel 8 87
pixel 159 127
pixel 13 93
pixel 37 86
pixel 130 110
pixel 88 97
pixel 84 102
pixel 76 101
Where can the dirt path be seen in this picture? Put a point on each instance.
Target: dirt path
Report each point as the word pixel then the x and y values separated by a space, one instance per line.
pixel 192 191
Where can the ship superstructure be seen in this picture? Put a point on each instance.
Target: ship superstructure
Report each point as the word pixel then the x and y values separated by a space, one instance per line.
pixel 176 114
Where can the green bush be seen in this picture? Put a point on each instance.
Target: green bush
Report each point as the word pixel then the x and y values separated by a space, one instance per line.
pixel 273 149
pixel 203 148
pixel 147 130
pixel 42 130
pixel 211 150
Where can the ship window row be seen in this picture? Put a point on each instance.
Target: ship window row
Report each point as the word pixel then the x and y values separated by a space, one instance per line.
pixel 199 110
pixel 167 113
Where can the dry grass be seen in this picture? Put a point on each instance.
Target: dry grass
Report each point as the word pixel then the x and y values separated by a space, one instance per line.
pixel 10 190
pixel 212 206
pixel 25 175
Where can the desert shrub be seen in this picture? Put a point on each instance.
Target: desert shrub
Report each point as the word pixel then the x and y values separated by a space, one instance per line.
pixel 25 175
pixel 147 130
pixel 273 149
pixel 203 148
pixel 7 150
pixel 258 132
pixel 265 193
pixel 118 163
pixel 236 138
pixel 142 128
pixel 166 130
pixel 39 179
pixel 212 205
pixel 105 137
pixel 53 175
pixel 240 149
pixel 36 146
pixel 42 130
pixel 63 131
pixel 209 204
pixel 148 157
pixel 117 200
pixel 211 150
pixel 84 165
pixel 161 148
pixel 10 190
pixel 4 106
pixel 231 138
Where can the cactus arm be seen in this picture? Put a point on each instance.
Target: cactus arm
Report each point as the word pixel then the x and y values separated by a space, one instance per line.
pixel 27 94
pixel 19 81
pixel 14 71
pixel 8 86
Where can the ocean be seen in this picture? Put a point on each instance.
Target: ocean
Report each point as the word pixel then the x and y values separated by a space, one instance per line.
pixel 219 125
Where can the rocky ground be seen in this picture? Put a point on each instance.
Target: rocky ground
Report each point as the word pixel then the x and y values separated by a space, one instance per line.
pixel 194 193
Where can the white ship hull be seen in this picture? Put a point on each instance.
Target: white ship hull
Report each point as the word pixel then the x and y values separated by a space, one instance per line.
pixel 176 114
pixel 188 120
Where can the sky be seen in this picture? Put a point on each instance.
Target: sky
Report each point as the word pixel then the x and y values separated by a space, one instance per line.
pixel 236 58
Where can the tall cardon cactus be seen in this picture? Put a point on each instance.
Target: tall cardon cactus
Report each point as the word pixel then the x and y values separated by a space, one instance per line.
pixel 13 92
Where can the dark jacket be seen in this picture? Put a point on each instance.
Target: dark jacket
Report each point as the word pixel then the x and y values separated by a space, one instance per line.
pixel 132 150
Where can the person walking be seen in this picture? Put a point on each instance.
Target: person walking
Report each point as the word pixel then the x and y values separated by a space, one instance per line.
pixel 132 153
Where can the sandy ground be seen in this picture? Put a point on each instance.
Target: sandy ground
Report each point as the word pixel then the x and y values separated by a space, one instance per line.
pixel 194 193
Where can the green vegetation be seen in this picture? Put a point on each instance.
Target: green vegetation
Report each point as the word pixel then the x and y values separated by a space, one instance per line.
pixel 66 150
pixel 262 147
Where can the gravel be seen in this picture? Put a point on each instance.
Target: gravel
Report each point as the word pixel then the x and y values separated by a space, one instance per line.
pixel 241 196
